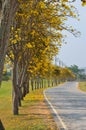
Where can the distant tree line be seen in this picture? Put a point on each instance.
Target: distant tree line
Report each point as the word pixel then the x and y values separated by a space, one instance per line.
pixel 79 73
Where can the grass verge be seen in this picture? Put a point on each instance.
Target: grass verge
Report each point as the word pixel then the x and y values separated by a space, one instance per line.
pixel 82 86
pixel 33 115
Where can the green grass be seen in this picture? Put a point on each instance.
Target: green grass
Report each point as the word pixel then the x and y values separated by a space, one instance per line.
pixel 5 95
pixel 30 116
pixel 6 89
pixel 82 86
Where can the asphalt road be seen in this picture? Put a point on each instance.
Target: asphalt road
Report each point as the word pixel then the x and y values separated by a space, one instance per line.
pixel 69 103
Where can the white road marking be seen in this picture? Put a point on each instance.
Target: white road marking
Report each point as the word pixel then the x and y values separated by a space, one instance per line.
pixel 56 113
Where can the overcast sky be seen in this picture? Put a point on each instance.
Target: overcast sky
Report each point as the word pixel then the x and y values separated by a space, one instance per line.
pixel 74 52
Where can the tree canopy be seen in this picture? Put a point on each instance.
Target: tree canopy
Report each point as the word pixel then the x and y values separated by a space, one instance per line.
pixel 32 34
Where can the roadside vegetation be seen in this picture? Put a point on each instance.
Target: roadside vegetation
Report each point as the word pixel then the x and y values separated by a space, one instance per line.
pixel 82 86
pixel 34 114
pixel 79 72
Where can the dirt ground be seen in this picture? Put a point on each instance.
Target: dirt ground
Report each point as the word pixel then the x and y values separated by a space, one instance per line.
pixel 42 111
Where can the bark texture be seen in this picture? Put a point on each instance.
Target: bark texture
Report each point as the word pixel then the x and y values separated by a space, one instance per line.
pixel 15 89
pixel 9 8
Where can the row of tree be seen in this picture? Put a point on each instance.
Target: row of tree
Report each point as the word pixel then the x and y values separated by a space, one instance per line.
pixel 31 35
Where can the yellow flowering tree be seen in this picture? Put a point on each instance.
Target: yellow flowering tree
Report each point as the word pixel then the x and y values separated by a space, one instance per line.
pixel 83 2
pixel 36 36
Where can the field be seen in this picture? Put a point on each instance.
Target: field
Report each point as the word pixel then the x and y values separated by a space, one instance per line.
pixel 82 86
pixel 33 115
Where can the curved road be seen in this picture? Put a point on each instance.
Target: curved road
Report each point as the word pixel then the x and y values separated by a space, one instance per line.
pixel 69 105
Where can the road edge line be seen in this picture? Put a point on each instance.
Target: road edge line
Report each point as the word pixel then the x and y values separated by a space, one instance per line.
pixel 56 113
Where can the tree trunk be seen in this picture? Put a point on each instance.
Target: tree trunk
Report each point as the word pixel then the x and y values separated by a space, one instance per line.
pixel 27 86
pixel 42 83
pixel 35 84
pixel 38 86
pixel 24 89
pixel 19 96
pixel 15 88
pixel 15 102
pixel 32 84
pixel 48 82
pixel 8 12
pixel 52 83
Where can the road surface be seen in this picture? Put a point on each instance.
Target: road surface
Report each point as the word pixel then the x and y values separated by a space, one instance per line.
pixel 69 106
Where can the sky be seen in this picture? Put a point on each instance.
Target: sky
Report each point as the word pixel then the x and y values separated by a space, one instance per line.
pixel 74 52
